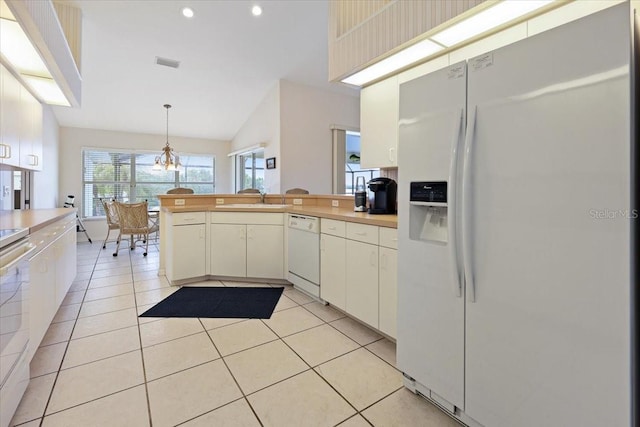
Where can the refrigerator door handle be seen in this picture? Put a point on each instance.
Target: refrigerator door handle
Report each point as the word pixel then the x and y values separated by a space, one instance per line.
pixel 453 173
pixel 466 217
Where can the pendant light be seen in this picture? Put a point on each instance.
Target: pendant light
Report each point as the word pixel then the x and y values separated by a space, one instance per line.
pixel 167 160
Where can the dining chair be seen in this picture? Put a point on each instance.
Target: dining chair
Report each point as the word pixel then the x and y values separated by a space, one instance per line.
pixel 112 219
pixel 180 190
pixel 134 221
pixel 249 191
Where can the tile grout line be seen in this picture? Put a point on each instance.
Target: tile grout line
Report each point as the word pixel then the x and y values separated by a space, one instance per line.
pixel 244 396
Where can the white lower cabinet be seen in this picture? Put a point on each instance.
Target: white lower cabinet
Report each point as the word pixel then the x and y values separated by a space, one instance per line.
pixel 229 250
pixel 247 245
pixel 333 270
pixel 358 271
pixel 51 271
pixel 265 251
pixel 187 247
pixel 388 291
pixel 362 281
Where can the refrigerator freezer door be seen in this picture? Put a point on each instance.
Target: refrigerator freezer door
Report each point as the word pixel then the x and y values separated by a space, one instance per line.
pixel 547 339
pixel 430 314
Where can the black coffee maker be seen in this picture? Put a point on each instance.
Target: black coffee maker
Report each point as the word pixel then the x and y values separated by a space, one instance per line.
pixel 382 196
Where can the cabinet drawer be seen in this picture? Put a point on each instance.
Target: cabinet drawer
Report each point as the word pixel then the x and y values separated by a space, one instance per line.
pixel 185 218
pixel 362 233
pixel 247 218
pixel 389 237
pixel 333 227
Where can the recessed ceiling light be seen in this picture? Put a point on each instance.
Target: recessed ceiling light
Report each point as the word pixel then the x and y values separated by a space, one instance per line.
pixel 187 12
pixel 256 10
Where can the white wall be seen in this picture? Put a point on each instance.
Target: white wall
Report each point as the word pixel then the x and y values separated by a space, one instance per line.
pixel 263 126
pixel 294 121
pixel 45 182
pixel 306 116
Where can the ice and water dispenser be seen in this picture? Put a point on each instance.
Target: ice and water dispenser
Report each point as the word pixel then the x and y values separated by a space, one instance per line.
pixel 428 211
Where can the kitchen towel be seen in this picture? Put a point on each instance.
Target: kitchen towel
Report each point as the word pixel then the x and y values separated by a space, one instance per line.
pixel 218 302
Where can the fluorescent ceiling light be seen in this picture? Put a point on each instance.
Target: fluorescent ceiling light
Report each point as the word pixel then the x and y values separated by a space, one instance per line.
pixel 396 61
pixel 490 18
pixel 18 50
pixel 495 16
pixel 47 90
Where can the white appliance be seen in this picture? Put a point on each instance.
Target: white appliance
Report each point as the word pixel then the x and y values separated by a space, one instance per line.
pixel 515 230
pixel 15 251
pixel 304 253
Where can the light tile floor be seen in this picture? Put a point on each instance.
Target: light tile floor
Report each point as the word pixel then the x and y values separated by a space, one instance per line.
pixel 309 365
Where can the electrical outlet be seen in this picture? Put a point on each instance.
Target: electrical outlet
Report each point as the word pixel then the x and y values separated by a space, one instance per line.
pixel 335 203
pixel 219 201
pixel 297 201
pixel 178 202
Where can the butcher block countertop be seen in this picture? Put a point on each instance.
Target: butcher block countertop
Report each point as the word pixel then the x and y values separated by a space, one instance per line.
pixel 33 219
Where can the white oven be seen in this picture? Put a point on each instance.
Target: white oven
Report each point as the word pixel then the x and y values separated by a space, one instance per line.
pixel 15 251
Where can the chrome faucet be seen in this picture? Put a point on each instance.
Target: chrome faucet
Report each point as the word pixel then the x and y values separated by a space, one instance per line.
pixel 262 194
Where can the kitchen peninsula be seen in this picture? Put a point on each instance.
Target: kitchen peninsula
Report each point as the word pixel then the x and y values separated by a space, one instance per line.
pixel 239 238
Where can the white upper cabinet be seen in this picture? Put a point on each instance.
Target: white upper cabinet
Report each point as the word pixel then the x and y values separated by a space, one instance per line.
pixel 379 104
pixel 10 113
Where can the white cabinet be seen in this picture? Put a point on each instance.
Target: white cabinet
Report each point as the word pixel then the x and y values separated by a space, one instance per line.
pixel 333 270
pixel 10 113
pixel 42 289
pixel 362 281
pixel 388 291
pixel 265 249
pixel 379 111
pixel 358 271
pixel 247 244
pixel 229 250
pixel 30 131
pixel 51 271
pixel 186 249
pixel 20 124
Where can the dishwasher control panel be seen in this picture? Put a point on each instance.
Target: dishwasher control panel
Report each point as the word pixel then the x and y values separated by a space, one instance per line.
pixel 304 223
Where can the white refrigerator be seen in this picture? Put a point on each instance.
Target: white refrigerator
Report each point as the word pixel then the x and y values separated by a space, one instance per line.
pixel 515 221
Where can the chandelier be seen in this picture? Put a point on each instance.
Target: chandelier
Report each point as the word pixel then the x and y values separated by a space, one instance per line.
pixel 167 160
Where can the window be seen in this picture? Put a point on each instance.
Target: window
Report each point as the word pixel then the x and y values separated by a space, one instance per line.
pixel 250 168
pixel 352 163
pixel 128 177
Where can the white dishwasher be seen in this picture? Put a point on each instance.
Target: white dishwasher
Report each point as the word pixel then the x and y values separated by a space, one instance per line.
pixel 304 253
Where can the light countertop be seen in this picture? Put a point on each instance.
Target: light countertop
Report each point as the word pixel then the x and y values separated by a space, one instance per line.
pixel 33 219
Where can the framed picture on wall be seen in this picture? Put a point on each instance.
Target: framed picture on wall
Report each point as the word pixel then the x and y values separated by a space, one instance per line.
pixel 271 163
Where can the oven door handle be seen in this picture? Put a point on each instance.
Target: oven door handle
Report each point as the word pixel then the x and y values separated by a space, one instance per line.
pixel 16 255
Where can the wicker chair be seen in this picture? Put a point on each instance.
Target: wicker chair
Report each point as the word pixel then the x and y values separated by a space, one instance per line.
pixel 180 190
pixel 249 191
pixel 297 191
pixel 112 219
pixel 134 221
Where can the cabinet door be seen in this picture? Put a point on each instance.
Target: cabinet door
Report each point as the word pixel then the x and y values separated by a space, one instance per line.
pixel 188 251
pixel 265 251
pixel 229 250
pixel 362 281
pixel 10 119
pixel 379 106
pixel 30 131
pixel 42 294
pixel 333 263
pixel 388 291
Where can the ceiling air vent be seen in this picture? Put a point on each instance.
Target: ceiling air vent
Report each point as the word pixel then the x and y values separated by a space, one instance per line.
pixel 167 62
